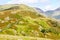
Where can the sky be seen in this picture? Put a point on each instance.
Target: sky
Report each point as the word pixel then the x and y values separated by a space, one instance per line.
pixel 42 4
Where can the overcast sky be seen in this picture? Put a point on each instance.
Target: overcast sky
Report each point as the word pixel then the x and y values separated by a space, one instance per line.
pixel 42 4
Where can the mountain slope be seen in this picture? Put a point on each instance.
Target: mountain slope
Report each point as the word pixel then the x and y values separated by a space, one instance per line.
pixel 22 20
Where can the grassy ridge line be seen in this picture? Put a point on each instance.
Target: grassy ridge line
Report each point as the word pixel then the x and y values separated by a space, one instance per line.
pixel 10 37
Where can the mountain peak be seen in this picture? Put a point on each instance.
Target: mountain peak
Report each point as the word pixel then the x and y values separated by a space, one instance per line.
pixel 58 9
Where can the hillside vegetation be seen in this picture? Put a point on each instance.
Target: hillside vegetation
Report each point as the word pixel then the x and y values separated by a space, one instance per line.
pixel 21 20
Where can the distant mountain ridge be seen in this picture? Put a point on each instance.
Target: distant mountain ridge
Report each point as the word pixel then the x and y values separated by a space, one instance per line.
pixel 54 13
pixel 40 10
pixel 51 13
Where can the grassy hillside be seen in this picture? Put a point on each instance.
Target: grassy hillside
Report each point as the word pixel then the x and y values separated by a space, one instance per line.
pixel 10 37
pixel 22 20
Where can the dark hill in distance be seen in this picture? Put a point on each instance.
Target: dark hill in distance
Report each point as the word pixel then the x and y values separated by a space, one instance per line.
pixel 51 13
pixel 54 13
